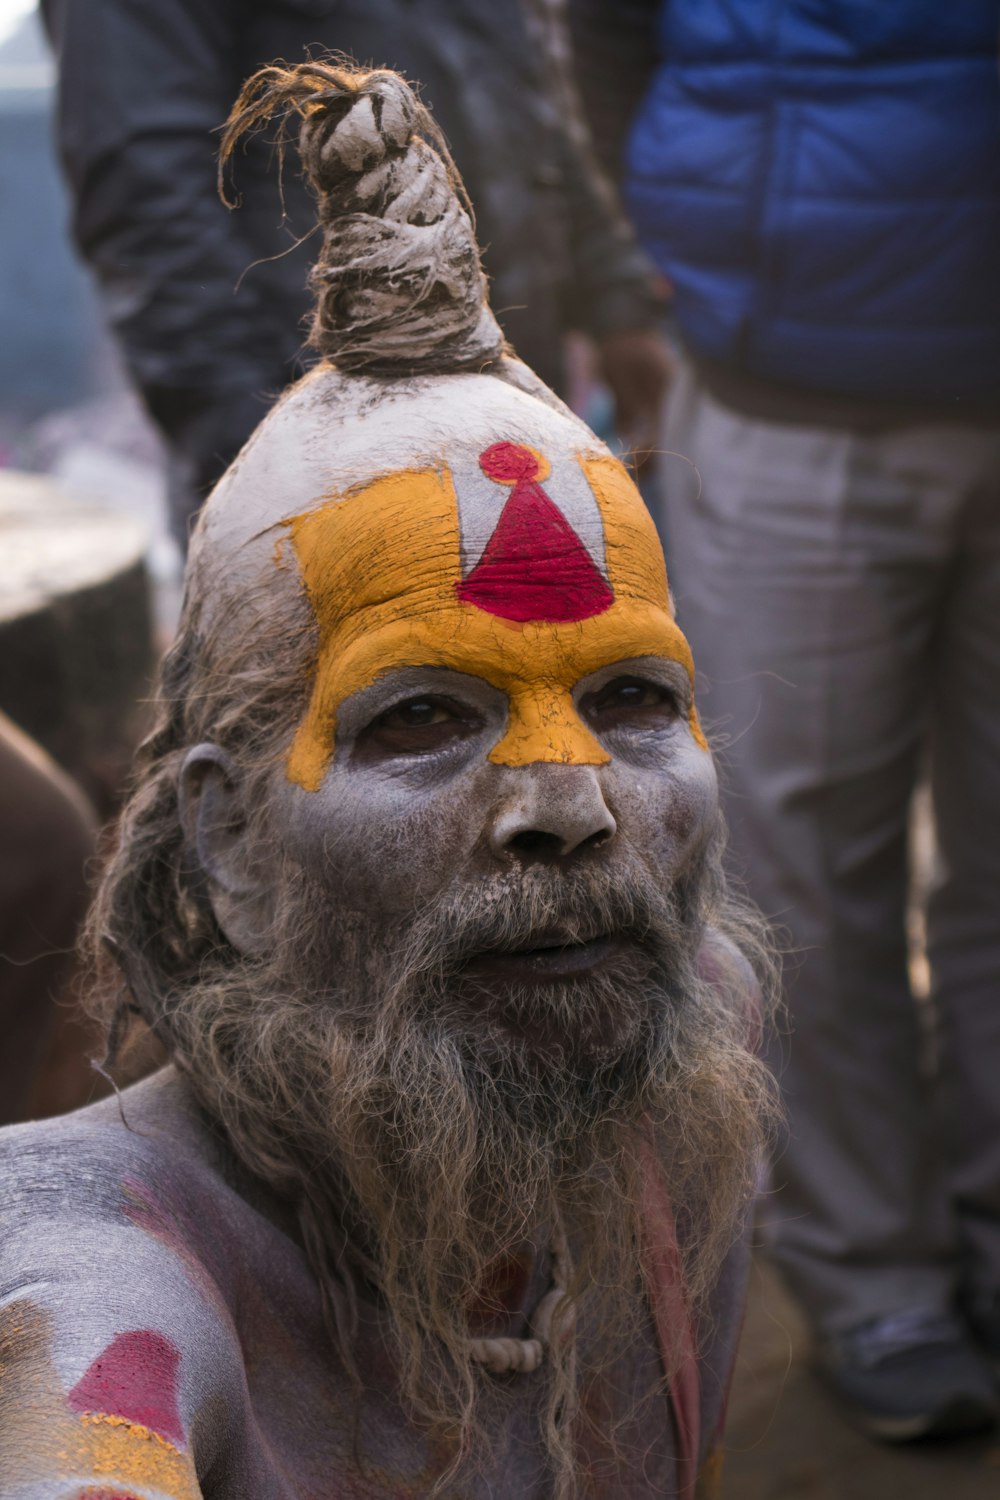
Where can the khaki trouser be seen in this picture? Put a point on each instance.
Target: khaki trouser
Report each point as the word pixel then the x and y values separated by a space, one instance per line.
pixel 841 592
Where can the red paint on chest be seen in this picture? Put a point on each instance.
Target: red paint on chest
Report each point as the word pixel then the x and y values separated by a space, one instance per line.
pixel 136 1378
pixel 535 567
pixel 503 1292
pixel 107 1495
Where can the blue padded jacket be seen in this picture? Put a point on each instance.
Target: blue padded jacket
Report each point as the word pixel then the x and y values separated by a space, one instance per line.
pixel 820 181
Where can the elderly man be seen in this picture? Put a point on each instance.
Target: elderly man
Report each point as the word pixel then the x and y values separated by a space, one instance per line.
pixel 419 885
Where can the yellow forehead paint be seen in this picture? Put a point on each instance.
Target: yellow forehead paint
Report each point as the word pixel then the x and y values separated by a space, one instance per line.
pixel 382 570
pixel 58 1449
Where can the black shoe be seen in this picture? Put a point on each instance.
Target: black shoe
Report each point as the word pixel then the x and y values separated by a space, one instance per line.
pixel 913 1375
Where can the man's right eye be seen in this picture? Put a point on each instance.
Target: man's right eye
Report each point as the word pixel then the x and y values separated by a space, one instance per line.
pixel 418 727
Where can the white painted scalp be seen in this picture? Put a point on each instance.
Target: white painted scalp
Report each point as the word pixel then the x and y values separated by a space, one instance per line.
pixel 333 433
pixel 416 374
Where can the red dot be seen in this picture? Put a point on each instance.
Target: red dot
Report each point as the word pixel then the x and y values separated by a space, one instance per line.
pixel 509 462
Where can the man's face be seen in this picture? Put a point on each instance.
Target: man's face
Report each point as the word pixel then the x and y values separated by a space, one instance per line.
pixel 506 725
pixel 474 887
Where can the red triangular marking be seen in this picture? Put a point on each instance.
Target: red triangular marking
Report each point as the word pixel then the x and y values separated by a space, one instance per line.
pixel 535 567
pixel 135 1378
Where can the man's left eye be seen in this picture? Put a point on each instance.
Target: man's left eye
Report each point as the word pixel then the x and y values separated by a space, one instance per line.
pixel 631 702
pixel 416 727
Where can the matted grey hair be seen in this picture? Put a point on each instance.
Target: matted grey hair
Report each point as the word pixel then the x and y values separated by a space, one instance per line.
pixel 399 284
pixel 151 929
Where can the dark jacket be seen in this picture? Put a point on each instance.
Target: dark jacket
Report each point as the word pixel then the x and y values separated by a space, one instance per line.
pixel 819 180
pixel 210 306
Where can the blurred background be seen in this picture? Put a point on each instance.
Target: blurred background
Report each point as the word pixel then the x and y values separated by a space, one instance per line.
pixel 67 410
pixel 90 587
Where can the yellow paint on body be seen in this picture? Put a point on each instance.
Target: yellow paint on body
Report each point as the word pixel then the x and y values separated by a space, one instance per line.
pixel 380 567
pixel 110 1448
pixel 709 1482
pixel 44 1445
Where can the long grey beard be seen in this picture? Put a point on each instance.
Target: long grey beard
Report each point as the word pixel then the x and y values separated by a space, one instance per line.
pixel 355 1072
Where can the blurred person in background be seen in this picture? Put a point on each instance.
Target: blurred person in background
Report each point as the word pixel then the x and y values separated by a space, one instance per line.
pixel 820 182
pixel 209 308
pixel 47 836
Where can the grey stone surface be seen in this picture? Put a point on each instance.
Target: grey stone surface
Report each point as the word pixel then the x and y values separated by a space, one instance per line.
pixel 75 629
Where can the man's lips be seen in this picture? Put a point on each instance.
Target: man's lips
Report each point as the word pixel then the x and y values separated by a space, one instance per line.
pixel 547 960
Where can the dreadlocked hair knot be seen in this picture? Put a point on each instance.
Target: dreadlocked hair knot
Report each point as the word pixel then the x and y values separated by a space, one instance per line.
pixel 345 137
pixel 398 283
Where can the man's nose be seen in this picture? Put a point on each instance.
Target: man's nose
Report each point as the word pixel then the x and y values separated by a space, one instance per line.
pixel 552 812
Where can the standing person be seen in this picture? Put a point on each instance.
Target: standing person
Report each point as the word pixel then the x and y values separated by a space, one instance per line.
pixel 821 184
pixel 47 838
pixel 209 308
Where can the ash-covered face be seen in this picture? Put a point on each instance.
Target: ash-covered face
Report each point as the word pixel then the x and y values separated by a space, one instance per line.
pixel 522 725
pixel 499 776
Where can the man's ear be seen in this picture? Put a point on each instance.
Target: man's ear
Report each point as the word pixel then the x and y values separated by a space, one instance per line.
pixel 214 819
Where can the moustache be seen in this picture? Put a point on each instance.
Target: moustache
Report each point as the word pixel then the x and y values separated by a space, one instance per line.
pixel 542 908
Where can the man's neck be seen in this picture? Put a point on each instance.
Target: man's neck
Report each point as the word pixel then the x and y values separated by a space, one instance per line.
pixel 515 1284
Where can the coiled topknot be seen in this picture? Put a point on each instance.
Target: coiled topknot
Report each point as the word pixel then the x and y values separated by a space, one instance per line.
pixel 398 283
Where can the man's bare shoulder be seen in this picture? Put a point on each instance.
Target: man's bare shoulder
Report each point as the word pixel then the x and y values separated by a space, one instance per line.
pixel 75 1163
pixel 106 1207
pixel 127 1255
pixel 133 1176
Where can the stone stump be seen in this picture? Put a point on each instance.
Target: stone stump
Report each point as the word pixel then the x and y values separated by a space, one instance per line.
pixel 76 650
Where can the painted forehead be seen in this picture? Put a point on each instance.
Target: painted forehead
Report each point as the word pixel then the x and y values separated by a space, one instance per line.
pixel 528 568
pixel 524 556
